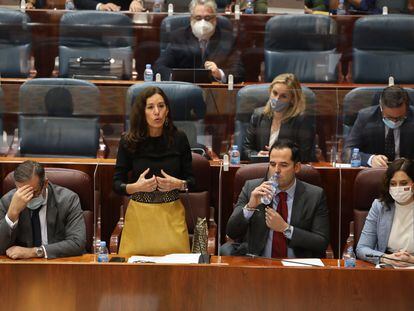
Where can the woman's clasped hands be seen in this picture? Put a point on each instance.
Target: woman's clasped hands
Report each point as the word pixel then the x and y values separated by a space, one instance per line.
pixel 164 183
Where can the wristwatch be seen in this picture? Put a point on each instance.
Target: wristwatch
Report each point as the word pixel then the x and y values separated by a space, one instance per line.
pixel 39 252
pixel 288 231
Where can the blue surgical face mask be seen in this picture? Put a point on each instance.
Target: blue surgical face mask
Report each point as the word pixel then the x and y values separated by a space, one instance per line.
pixel 278 105
pixel 36 202
pixel 392 124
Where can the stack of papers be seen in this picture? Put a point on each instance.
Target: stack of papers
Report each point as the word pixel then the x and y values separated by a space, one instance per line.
pixel 303 262
pixel 167 259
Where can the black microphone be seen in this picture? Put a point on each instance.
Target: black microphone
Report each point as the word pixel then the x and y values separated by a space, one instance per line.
pixel 386 257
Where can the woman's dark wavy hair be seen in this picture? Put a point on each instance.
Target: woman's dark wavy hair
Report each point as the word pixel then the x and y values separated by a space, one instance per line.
pixel 401 164
pixel 138 130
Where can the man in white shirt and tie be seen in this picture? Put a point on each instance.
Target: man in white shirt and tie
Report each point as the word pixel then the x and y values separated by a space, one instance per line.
pixel 40 219
pixel 205 43
pixel 294 224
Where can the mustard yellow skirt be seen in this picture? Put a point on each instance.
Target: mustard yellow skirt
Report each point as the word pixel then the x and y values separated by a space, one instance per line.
pixel 154 229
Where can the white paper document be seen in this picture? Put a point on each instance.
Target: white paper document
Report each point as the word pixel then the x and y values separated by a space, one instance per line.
pixel 167 259
pixel 303 262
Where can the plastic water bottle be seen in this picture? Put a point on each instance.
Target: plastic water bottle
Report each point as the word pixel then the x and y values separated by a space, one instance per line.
pixel 341 8
pixel 103 252
pixel 349 258
pixel 274 183
pixel 69 5
pixel 157 6
pixel 355 158
pixel 148 73
pixel 249 7
pixel 234 155
pixel 23 6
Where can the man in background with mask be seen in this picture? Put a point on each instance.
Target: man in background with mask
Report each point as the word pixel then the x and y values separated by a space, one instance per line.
pixel 40 219
pixel 205 43
pixel 384 132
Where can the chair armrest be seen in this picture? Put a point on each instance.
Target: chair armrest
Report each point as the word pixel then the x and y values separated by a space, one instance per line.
pixel 116 238
pixel 329 252
pixel 117 233
pixel 211 240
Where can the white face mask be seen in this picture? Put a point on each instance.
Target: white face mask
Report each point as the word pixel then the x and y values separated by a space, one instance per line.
pixel 401 194
pixel 203 30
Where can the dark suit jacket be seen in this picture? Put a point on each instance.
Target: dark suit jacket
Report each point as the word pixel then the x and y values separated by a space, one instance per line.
pixel 91 4
pixel 184 52
pixel 309 218
pixel 299 129
pixel 368 134
pixel 66 231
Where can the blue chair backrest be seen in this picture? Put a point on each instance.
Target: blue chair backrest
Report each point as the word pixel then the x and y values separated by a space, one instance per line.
pixel 187 106
pixel 42 128
pixel 56 136
pixel 303 45
pixel 85 96
pixel 383 46
pixel 96 35
pixel 15 44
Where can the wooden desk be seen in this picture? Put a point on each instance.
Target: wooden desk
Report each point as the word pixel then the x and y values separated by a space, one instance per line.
pixel 240 284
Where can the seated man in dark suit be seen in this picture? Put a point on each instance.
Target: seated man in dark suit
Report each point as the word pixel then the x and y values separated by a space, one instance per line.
pixel 295 224
pixel 40 219
pixel 203 44
pixel 384 132
pixel 110 5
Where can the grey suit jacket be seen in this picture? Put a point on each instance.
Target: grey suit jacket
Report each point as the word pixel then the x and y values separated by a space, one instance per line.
pixel 309 218
pixel 65 224
pixel 376 232
pixel 368 134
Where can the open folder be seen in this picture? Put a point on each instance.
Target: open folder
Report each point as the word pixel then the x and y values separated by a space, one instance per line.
pixel 167 259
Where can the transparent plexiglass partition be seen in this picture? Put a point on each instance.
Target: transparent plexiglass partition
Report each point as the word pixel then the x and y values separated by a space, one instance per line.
pixel 235 84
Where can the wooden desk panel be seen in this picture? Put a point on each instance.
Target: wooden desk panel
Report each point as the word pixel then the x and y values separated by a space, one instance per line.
pixel 240 285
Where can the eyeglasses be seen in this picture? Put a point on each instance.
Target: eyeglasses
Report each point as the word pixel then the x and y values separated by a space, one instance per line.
pixel 207 18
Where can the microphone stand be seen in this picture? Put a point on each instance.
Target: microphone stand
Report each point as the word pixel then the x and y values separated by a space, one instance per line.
pixel 224 165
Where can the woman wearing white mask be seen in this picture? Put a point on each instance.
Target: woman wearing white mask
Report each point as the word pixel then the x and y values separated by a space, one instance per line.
pixel 283 117
pixel 389 229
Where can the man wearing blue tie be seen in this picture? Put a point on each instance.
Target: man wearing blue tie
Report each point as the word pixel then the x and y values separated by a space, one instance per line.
pixel 294 224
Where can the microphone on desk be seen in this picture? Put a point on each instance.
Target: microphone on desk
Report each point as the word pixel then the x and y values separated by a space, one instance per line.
pixel 389 258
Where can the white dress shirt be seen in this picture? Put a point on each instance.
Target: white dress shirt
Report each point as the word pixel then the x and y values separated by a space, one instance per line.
pixel 43 223
pixel 289 200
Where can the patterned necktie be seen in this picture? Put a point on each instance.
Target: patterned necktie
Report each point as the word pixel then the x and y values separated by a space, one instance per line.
pixel 203 47
pixel 279 244
pixel 37 234
pixel 389 148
